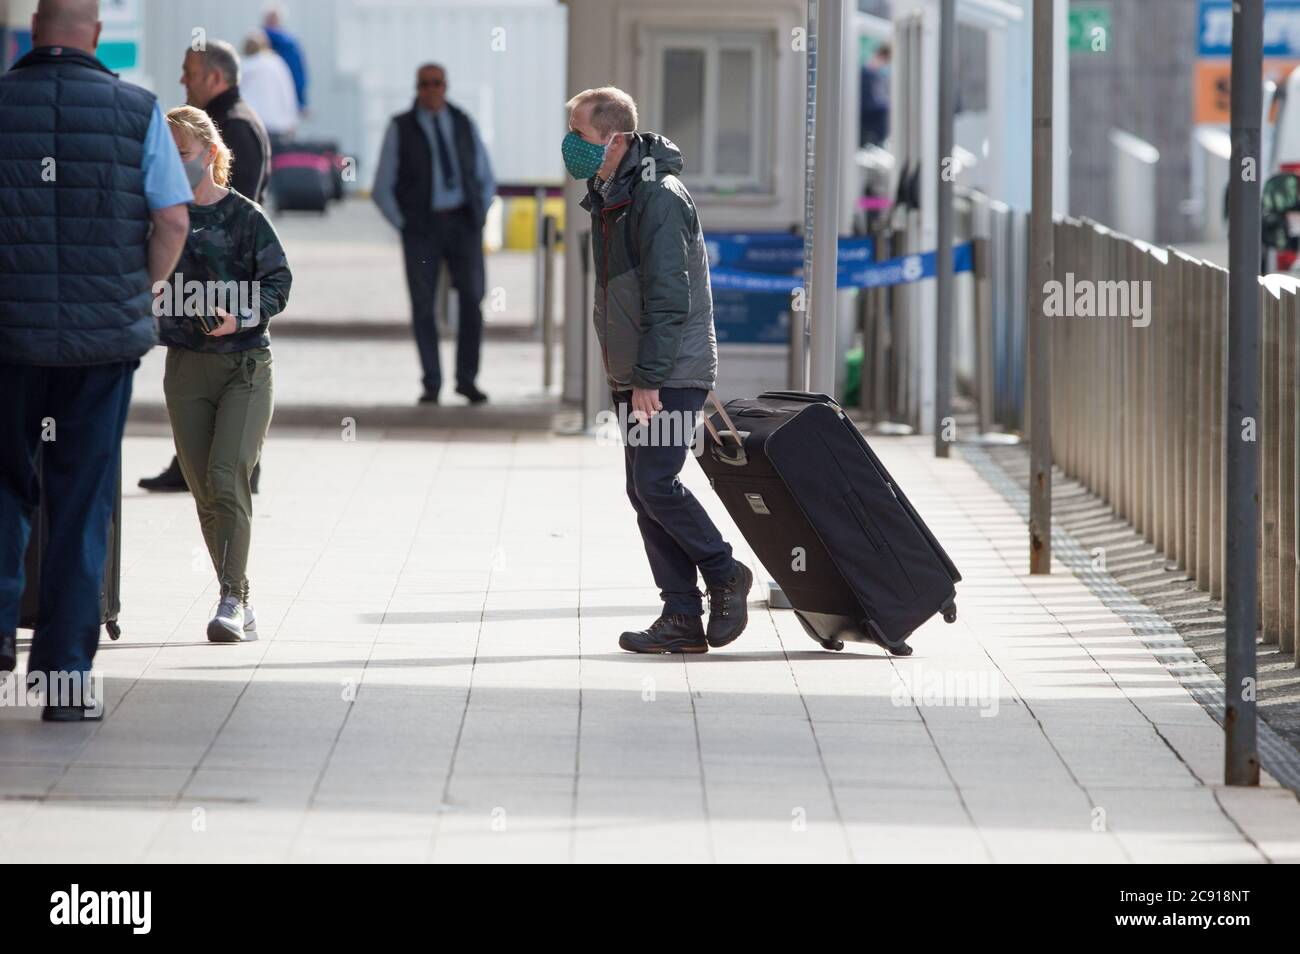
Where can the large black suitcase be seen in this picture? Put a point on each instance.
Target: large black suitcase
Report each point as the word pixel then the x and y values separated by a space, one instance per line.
pixel 301 182
pixel 327 149
pixel 827 521
pixel 110 595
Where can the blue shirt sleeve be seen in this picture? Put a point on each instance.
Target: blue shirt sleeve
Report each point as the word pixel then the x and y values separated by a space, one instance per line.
pixel 386 179
pixel 165 182
pixel 483 169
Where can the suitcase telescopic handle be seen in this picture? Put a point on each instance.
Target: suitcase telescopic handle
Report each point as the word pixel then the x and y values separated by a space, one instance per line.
pixel 726 420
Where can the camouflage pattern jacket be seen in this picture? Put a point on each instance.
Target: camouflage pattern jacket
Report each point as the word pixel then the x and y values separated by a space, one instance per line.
pixel 232 260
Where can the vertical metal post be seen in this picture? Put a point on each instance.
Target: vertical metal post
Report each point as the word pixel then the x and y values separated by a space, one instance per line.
pixel 823 355
pixel 943 254
pixel 539 257
pixel 1287 384
pixel 1040 273
pixel 1268 434
pixel 1241 504
pixel 801 330
pixel 548 301
pixel 984 321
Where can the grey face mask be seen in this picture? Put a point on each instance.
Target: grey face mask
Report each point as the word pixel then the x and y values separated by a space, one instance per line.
pixel 195 170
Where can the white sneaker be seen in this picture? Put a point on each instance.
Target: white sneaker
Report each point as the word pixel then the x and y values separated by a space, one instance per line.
pixel 250 619
pixel 228 625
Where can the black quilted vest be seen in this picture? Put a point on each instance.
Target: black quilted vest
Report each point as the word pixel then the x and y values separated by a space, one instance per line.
pixel 74 223
pixel 414 188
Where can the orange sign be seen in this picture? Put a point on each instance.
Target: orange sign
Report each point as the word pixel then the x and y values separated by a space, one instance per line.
pixel 1213 86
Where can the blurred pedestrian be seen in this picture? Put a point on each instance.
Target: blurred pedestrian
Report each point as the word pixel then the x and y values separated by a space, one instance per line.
pixel 287 47
pixel 873 99
pixel 654 319
pixel 211 79
pixel 218 381
pixel 94 211
pixel 267 86
pixel 434 184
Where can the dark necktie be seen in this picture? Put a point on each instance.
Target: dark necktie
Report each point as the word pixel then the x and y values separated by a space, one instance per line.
pixel 444 156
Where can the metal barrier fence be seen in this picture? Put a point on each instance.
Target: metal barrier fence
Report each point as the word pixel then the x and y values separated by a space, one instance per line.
pixel 1139 385
pixel 996 379
pixel 1139 405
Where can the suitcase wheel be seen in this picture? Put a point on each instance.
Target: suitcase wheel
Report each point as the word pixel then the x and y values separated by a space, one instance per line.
pixel 114 631
pixel 833 644
pixel 949 612
pixel 877 636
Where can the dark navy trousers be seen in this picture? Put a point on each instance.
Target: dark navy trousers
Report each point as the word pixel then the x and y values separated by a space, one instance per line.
pixel 458 240
pixel 74 416
pixel 678 534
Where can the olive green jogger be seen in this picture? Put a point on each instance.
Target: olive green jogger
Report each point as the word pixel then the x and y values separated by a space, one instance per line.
pixel 220 407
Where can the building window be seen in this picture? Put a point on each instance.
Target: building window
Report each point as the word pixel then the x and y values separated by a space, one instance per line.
pixel 713 98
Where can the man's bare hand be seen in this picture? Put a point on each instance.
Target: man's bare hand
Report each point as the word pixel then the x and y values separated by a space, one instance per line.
pixel 645 404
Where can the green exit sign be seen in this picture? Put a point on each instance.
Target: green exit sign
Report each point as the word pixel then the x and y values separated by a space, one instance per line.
pixel 118 55
pixel 1089 29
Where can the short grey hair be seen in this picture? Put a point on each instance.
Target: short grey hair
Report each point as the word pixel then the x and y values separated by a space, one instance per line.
pixel 612 110
pixel 256 42
pixel 221 56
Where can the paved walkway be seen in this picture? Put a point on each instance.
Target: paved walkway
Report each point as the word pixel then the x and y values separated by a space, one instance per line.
pixel 343 346
pixel 437 679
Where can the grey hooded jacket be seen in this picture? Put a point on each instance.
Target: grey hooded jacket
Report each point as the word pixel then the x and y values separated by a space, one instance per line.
pixel 653 308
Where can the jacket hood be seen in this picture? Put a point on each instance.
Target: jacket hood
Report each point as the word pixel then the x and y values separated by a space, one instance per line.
pixel 667 159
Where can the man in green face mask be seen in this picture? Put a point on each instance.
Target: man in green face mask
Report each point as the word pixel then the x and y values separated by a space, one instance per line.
pixel 653 313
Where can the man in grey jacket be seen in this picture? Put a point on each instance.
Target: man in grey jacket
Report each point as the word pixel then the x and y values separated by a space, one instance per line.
pixel 654 319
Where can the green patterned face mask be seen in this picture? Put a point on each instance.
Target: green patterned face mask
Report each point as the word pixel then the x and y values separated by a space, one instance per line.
pixel 583 159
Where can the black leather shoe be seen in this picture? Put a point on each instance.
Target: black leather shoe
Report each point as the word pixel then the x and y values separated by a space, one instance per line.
pixel 729 607
pixel 668 634
pixel 76 713
pixel 473 394
pixel 428 397
pixel 8 651
pixel 170 480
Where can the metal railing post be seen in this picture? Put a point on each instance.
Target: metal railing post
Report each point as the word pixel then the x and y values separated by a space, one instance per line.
pixel 1269 471
pixel 1286 424
pixel 548 301
pixel 1218 356
pixel 1241 758
pixel 885 357
pixel 1193 423
pixel 1207 429
pixel 1168 302
pixel 943 277
pixel 1040 272
pixel 539 256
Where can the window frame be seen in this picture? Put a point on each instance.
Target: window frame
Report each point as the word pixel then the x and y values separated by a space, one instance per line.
pixel 701 172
